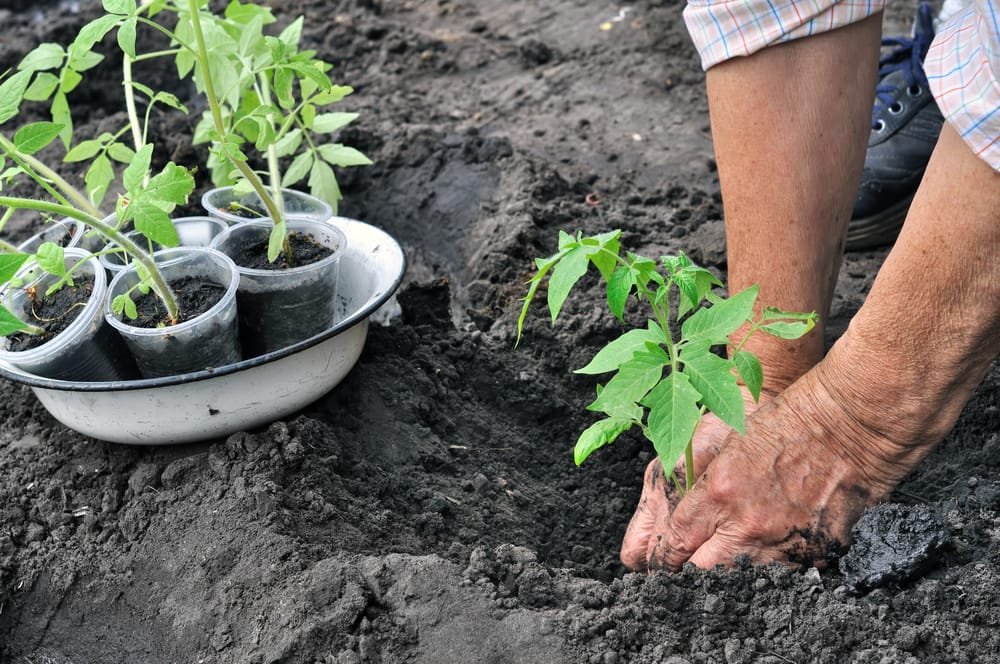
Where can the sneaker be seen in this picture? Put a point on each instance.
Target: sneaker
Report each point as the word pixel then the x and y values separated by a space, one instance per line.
pixel 905 127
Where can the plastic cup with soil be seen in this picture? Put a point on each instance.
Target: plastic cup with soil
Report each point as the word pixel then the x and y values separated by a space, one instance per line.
pixel 224 203
pixel 206 335
pixel 66 233
pixel 191 231
pixel 281 304
pixel 76 343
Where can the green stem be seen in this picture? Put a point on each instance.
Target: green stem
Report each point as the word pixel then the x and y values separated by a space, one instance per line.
pixel 273 167
pixel 160 286
pixel 7 248
pixel 133 116
pixel 157 54
pixel 71 192
pixel 213 102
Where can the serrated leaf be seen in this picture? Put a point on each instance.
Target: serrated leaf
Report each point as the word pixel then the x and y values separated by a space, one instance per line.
pixel 172 186
pixel 136 172
pixel 622 349
pixel 60 115
pixel 171 100
pixel 717 322
pixel 51 258
pixel 83 150
pixel 566 273
pixel 298 169
pixel 31 138
pixel 543 265
pixel 597 435
pixel 12 93
pixel 326 123
pixel 10 264
pixel 42 87
pixel 713 377
pixel 154 224
pixel 603 251
pixel 673 417
pixel 244 13
pixel 98 178
pixel 323 184
pixel 43 57
pixel 119 6
pixel 283 79
pixel 126 37
pixel 9 323
pixel 635 378
pixel 750 371
pixel 88 36
pixel 333 95
pixel 68 80
pixel 291 35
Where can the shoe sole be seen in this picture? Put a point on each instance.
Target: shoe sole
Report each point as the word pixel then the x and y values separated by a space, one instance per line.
pixel 877 230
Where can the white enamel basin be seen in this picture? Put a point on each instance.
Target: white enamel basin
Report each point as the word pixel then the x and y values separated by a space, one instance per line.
pixel 244 395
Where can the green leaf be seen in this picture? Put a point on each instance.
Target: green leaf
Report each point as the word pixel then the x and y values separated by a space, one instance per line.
pixel 244 13
pixel 622 349
pixel 154 223
pixel 291 35
pixel 567 272
pixel 333 95
pixel 341 155
pixel 42 87
pixel 31 138
pixel 620 286
pixel 119 6
pixel 276 241
pixel 289 143
pixel 634 380
pixel 788 329
pixel 51 258
pixel 323 184
pixel 83 150
pixel 60 115
pixel 98 178
pixel 10 264
pixel 123 304
pixel 89 35
pixel 673 417
pixel 120 152
pixel 43 57
pixel 326 123
pixel 126 37
pixel 713 377
pixel 543 265
pixel 171 186
pixel 138 169
pixel 68 80
pixel 750 371
pixel 717 322
pixel 603 252
pixel 12 93
pixel 597 435
pixel 168 99
pixel 9 323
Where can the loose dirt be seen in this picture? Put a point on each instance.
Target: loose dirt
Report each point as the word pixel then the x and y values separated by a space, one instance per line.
pixel 428 509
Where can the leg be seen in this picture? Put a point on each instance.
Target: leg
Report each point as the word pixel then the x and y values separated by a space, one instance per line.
pixel 789 169
pixel 888 392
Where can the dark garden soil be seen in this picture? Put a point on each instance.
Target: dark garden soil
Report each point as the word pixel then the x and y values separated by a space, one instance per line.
pixel 428 509
pixel 305 251
pixel 195 296
pixel 53 313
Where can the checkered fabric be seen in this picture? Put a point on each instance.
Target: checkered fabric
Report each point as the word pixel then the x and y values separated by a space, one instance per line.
pixel 963 65
pixel 963 68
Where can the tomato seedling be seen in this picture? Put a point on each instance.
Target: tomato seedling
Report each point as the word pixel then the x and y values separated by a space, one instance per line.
pixel 666 374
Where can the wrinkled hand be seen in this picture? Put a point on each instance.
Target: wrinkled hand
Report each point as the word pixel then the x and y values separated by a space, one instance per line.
pixel 659 497
pixel 789 490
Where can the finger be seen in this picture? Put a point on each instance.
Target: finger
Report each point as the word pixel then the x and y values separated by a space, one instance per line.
pixel 642 526
pixel 719 550
pixel 691 524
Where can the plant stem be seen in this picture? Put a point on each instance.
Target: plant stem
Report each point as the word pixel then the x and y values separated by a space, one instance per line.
pixel 7 248
pixel 157 54
pixel 273 167
pixel 160 286
pixel 213 102
pixel 133 116
pixel 42 174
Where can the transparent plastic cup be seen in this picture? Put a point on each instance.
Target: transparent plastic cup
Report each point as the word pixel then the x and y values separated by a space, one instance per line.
pixel 279 308
pixel 66 233
pixel 192 232
pixel 207 341
pixel 87 349
pixel 223 203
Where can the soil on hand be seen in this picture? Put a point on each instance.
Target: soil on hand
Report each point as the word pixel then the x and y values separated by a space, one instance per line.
pixel 428 510
pixel 305 251
pixel 195 296
pixel 53 313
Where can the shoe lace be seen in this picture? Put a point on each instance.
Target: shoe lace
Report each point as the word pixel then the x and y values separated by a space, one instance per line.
pixel 907 56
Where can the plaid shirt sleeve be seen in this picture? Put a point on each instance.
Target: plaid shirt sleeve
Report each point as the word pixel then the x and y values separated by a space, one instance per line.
pixel 724 29
pixel 962 67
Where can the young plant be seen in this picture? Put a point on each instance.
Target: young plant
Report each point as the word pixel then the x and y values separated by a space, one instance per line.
pixel 664 379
